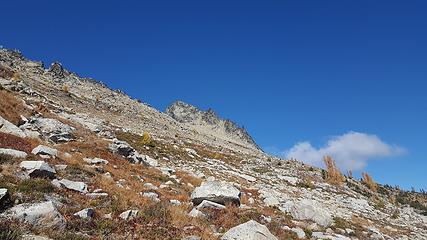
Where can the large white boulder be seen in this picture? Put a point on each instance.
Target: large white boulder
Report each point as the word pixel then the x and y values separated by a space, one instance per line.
pixel 13 153
pixel 307 209
pixel 45 151
pixel 41 215
pixel 216 191
pixel 251 230
pixel 51 129
pixel 8 127
pixel 38 169
pixel 72 185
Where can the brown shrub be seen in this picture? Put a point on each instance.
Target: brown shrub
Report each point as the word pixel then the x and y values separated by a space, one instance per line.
pixel 333 174
pixel 369 181
pixel 6 72
pixel 11 229
pixel 14 142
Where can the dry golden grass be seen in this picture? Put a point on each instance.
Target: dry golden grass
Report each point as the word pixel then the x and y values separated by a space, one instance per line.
pixel 247 194
pixel 66 88
pixel 369 181
pixel 11 108
pixel 188 178
pixel 333 174
pixel 179 215
pixel 16 77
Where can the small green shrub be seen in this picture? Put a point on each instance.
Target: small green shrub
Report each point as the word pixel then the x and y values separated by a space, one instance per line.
pixel 5 159
pixel 306 184
pixel 35 185
pixel 261 170
pixel 418 205
pixel 105 226
pixel 79 171
pixel 9 230
pixel 33 189
pixel 395 214
pixel 157 212
pixel 341 223
pixel 379 204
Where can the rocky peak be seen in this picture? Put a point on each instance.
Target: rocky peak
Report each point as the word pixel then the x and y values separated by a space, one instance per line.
pixel 57 70
pixel 209 122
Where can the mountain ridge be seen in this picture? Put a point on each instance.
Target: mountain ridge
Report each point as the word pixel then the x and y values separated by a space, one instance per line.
pixel 210 122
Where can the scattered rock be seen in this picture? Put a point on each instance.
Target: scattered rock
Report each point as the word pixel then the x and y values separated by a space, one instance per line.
pixel 72 185
pixel 85 213
pixel 291 180
pixel 150 186
pixel 95 161
pixel 375 234
pixel 216 191
pixel 175 202
pixel 8 127
pixel 320 235
pixel 209 204
pixel 192 238
pixel 129 214
pixel 242 175
pixel 271 201
pixel 41 215
pixel 251 230
pixel 299 232
pixel 60 167
pixel 4 198
pixel 194 213
pixel 167 171
pixel 45 151
pixel 34 237
pixel 51 129
pixel 150 161
pixel 307 209
pixel 122 148
pixel 38 169
pixel 151 195
pixel 13 153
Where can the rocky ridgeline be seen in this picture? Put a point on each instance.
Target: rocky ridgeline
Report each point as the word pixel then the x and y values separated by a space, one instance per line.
pixel 76 165
pixel 209 123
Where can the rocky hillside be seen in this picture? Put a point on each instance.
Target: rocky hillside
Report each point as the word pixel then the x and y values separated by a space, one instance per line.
pixel 209 123
pixel 81 161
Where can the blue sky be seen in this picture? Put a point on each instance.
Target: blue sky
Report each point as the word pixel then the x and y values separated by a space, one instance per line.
pixel 339 76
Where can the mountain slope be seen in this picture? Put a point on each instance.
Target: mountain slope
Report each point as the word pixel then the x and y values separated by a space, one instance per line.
pixel 110 167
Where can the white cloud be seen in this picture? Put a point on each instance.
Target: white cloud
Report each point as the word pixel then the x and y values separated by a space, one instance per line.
pixel 351 151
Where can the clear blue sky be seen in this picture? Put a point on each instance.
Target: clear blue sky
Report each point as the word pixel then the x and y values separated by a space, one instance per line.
pixel 289 71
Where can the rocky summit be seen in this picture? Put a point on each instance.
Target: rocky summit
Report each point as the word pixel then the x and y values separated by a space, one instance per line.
pixel 208 122
pixel 79 160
